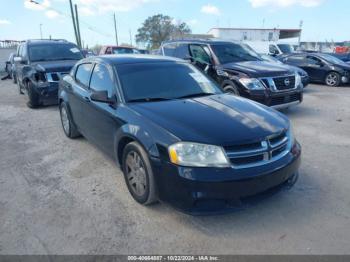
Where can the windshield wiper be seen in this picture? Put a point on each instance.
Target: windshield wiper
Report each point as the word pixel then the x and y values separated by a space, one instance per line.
pixel 196 95
pixel 149 99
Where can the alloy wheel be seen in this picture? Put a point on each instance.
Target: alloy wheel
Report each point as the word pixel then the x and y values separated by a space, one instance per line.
pixel 332 79
pixel 65 120
pixel 136 173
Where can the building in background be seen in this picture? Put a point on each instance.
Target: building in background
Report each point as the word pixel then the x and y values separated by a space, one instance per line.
pixel 254 34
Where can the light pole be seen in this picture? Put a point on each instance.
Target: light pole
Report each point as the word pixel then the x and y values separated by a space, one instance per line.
pixel 115 29
pixel 41 31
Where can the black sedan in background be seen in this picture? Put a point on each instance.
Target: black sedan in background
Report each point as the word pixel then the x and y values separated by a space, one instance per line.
pixel 320 67
pixel 176 136
pixel 303 75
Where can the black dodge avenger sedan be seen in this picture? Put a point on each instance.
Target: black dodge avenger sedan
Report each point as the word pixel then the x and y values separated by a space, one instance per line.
pixel 176 136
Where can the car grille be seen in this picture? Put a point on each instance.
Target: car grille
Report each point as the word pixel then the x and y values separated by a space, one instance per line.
pixel 280 83
pixel 260 153
pixel 279 100
pixel 55 76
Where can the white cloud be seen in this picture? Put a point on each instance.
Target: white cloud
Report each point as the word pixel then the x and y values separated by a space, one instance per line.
pixel 38 7
pixel 4 22
pixel 86 11
pixel 104 6
pixel 210 9
pixel 192 22
pixel 284 3
pixel 52 14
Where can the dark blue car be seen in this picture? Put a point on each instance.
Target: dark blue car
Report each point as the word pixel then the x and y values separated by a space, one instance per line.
pixel 174 133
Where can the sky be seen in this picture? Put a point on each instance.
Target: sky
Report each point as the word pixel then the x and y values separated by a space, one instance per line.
pixel 323 20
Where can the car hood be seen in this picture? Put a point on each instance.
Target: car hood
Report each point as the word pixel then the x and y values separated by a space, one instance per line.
pixel 56 66
pixel 218 119
pixel 259 68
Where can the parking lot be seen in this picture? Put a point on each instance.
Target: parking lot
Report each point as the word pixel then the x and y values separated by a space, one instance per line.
pixel 61 196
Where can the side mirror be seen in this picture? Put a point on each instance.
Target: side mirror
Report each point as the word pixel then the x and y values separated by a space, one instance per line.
pixel 17 59
pixel 102 96
pixel 188 58
pixel 320 64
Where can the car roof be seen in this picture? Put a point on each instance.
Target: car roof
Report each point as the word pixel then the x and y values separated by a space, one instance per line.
pixel 201 41
pixel 132 59
pixel 118 46
pixel 47 41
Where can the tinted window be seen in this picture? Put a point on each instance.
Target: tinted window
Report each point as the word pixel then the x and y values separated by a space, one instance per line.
pixel 313 60
pixel 230 53
pixel 332 59
pixel 121 50
pixel 199 54
pixel 182 51
pixel 52 52
pixel 83 74
pixel 169 49
pixel 285 48
pixel 101 80
pixel 298 59
pixel 163 80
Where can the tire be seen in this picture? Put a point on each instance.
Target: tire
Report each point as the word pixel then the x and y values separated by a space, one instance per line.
pixel 33 97
pixel 68 126
pixel 332 79
pixel 231 89
pixel 138 174
pixel 14 78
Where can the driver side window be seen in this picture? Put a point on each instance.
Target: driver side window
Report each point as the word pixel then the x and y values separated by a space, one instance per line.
pixel 199 54
pixel 313 60
pixel 101 80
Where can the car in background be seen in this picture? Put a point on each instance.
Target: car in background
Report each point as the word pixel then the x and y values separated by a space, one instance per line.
pixel 10 67
pixel 303 74
pixel 87 53
pixel 240 71
pixel 321 67
pixel 175 135
pixel 144 51
pixel 281 49
pixel 118 50
pixel 342 56
pixel 40 65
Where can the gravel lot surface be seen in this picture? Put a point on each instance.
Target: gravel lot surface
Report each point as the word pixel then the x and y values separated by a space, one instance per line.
pixel 61 196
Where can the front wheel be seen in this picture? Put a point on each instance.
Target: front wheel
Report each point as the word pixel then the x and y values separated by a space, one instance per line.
pixel 138 174
pixel 33 97
pixel 68 126
pixel 231 89
pixel 333 79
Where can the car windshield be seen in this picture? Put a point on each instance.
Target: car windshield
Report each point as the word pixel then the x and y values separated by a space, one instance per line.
pixel 332 59
pixel 286 49
pixel 163 81
pixel 52 52
pixel 121 50
pixel 231 53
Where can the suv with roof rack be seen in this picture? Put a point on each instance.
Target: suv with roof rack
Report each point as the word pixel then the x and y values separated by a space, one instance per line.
pixel 241 71
pixel 39 66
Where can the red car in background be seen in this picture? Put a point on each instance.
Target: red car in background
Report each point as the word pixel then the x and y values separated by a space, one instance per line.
pixel 113 50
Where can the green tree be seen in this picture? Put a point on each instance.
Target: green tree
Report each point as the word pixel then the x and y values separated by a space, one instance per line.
pixel 159 28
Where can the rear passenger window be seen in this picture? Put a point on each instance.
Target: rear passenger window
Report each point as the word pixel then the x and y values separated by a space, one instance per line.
pixel 169 49
pixel 182 51
pixel 83 74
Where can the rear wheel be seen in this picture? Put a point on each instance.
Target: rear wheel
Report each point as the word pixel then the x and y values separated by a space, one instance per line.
pixel 231 89
pixel 68 126
pixel 138 174
pixel 332 79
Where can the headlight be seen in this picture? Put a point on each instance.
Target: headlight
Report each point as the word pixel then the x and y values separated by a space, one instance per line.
pixel 298 81
pixel 252 83
pixel 291 136
pixel 197 155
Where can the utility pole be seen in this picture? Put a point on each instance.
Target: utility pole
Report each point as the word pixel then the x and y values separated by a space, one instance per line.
pixel 77 23
pixel 41 31
pixel 73 19
pixel 115 29
pixel 130 37
pixel 300 27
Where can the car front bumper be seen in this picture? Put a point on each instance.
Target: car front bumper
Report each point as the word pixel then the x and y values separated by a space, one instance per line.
pixel 200 191
pixel 47 92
